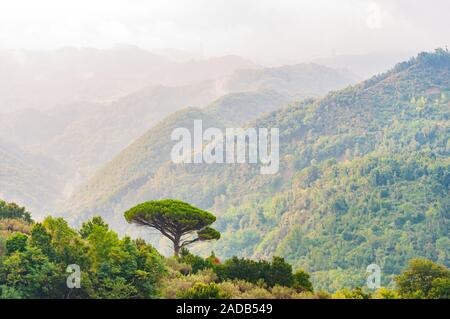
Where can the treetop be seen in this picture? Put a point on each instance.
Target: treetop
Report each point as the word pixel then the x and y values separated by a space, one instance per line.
pixel 169 209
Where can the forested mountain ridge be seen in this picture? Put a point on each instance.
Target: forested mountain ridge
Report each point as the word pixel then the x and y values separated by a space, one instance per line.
pixel 82 136
pixel 364 178
pixel 156 144
pixel 24 176
pixel 296 81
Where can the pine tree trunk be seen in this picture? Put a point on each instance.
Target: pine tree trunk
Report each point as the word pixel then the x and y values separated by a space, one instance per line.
pixel 176 246
pixel 176 250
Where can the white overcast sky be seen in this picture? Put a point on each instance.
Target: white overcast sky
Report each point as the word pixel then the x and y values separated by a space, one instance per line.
pixel 264 30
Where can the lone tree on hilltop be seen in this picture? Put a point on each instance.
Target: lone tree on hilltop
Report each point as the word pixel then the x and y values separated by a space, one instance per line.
pixel 176 220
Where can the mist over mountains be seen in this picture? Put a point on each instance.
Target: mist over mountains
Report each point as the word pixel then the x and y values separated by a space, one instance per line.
pixel 364 171
pixel 43 79
pixel 81 107
pixel 29 178
pixel 364 176
pixel 365 66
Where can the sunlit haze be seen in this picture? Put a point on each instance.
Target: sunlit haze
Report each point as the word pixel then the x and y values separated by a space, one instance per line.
pixel 265 31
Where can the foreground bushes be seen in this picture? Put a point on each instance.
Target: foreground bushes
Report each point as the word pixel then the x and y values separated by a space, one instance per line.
pixel 34 266
pixel 34 258
pixel 243 278
pixel 424 279
pixel 206 285
pixel 269 274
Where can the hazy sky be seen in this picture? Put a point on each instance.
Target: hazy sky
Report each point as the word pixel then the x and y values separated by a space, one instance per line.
pixel 263 30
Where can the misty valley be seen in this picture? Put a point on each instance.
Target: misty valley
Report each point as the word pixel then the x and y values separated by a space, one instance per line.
pixel 123 164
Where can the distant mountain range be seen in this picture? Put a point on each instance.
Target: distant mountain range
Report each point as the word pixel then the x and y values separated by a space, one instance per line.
pixel 44 79
pixel 82 136
pixel 364 66
pixel 26 178
pixel 364 176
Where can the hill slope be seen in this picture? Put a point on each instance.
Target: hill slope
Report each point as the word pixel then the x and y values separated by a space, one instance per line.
pixel 28 179
pixel 364 177
pixel 85 135
pixel 296 81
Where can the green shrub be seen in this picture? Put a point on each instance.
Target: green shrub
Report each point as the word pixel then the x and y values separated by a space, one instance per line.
pixel 17 242
pixel 14 211
pixel 202 291
pixel 278 272
pixel 196 262
pixel 424 279
pixel 301 281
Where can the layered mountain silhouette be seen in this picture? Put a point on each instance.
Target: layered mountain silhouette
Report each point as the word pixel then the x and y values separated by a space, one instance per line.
pixel 44 79
pixel 25 177
pixel 364 176
pixel 84 135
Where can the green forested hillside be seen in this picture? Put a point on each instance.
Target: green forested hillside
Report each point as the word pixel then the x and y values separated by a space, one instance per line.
pixel 156 145
pixel 24 177
pixel 83 136
pixel 239 108
pixel 364 177
pixel 51 260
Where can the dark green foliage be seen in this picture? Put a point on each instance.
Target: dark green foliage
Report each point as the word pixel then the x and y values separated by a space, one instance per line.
pixel 208 233
pixel 121 268
pixel 28 273
pixel 14 211
pixel 35 266
pixel 196 262
pixel 17 242
pixel 89 227
pixel 424 279
pixel 301 281
pixel 175 220
pixel 278 272
pixel 168 210
pixel 41 239
pixel 440 289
